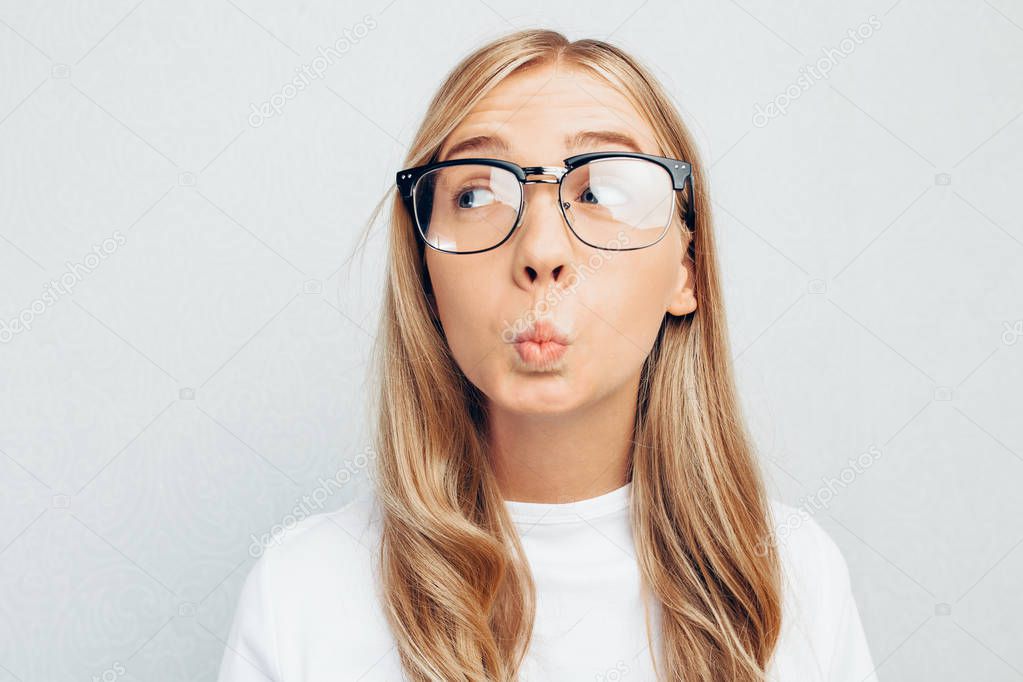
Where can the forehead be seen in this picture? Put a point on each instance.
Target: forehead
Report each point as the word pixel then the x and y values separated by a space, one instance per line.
pixel 543 114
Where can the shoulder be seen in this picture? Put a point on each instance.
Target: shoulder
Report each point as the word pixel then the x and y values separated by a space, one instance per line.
pixel 805 549
pixel 350 529
pixel 815 577
pixel 314 556
pixel 322 566
pixel 821 630
pixel 313 589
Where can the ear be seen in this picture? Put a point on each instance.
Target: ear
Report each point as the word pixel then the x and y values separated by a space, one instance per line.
pixel 683 296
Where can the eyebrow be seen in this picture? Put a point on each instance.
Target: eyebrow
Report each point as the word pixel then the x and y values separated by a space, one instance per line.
pixel 585 138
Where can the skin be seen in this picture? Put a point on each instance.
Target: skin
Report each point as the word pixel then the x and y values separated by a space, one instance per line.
pixel 562 433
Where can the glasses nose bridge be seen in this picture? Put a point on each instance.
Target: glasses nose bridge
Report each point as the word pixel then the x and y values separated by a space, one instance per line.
pixel 557 171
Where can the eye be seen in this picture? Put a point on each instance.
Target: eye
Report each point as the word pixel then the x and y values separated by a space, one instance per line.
pixel 474 197
pixel 604 195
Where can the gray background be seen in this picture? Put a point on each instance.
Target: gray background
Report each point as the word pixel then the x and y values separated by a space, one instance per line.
pixel 209 371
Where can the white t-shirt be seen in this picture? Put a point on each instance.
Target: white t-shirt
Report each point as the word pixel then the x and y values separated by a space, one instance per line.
pixel 310 608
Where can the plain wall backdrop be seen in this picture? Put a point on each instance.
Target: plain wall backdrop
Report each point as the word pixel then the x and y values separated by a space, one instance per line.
pixel 183 346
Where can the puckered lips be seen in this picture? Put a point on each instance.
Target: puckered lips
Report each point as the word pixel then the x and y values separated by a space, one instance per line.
pixel 541 343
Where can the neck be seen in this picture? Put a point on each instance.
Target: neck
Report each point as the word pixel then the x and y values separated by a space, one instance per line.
pixel 565 457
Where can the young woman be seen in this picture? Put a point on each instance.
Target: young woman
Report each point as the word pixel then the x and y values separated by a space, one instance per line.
pixel 564 486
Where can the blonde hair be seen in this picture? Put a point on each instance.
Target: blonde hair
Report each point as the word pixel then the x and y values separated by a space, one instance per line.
pixel 457 588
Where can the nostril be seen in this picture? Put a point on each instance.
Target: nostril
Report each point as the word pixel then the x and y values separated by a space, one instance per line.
pixel 531 272
pixel 557 272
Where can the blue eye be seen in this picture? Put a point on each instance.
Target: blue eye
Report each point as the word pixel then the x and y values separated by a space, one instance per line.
pixel 474 197
pixel 607 195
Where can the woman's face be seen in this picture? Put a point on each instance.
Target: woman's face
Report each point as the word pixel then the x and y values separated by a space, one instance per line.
pixel 610 309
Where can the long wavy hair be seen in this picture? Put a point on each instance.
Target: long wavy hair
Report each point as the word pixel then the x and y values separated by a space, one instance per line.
pixel 458 593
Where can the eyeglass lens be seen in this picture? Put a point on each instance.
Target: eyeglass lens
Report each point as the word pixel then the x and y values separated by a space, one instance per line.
pixel 609 203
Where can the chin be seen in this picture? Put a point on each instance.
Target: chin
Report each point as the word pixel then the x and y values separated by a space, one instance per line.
pixel 537 394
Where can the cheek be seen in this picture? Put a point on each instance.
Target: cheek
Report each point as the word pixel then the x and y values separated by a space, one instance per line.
pixel 628 304
pixel 628 318
pixel 460 293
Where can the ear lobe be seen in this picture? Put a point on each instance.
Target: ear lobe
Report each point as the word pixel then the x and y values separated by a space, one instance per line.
pixel 683 298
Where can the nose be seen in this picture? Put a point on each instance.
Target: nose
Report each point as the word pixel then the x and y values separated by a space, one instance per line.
pixel 544 244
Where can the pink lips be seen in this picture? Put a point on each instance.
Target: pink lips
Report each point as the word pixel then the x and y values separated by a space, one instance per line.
pixel 541 344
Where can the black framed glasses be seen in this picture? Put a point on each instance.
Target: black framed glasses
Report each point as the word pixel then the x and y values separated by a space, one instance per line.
pixel 617 201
